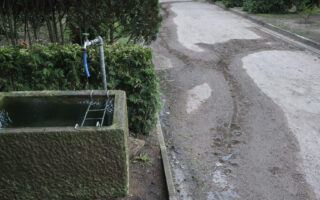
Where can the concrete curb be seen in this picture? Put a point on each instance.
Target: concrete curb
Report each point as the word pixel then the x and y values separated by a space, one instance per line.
pixel 289 34
pixel 166 165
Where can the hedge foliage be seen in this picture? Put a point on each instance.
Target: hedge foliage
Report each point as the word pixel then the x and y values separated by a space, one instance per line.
pixel 306 3
pixel 232 3
pixel 59 67
pixel 267 6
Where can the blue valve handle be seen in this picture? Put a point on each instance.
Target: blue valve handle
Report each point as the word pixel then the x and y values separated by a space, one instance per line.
pixel 85 64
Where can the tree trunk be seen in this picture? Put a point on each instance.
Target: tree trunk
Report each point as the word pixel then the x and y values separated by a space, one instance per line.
pixel 15 29
pixel 54 25
pixel 10 20
pixel 61 28
pixel 25 28
pixel 34 29
pixel 4 26
pixel 29 36
pixel 49 30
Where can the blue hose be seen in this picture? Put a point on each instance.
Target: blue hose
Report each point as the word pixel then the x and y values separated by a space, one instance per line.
pixel 85 64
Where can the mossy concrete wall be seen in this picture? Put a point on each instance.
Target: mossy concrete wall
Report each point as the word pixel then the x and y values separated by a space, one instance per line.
pixel 64 162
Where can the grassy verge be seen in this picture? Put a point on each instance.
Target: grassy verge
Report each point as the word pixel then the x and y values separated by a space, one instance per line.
pixel 219 2
pixel 286 15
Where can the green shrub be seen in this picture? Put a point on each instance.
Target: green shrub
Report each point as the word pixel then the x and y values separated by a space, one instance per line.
pixel 307 11
pixel 232 3
pixel 302 4
pixel 59 67
pixel 266 6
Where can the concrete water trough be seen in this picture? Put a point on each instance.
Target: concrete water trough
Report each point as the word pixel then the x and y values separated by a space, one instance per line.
pixel 44 155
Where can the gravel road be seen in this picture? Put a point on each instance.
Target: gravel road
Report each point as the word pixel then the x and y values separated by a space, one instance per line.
pixel 241 111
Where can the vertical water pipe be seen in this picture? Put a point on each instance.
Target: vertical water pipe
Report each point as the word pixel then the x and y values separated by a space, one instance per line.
pixel 98 40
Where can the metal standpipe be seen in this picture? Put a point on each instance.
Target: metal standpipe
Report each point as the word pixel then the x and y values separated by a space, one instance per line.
pixel 109 102
pixel 98 40
pixel 102 65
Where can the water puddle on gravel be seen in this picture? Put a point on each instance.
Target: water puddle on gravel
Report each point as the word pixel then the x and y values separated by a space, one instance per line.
pixel 225 190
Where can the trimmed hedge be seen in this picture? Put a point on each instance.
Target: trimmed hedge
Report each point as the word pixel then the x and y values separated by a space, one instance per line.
pixel 232 3
pixel 266 6
pixel 59 67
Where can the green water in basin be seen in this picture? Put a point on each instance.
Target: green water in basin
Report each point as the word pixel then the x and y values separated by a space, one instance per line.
pixel 18 112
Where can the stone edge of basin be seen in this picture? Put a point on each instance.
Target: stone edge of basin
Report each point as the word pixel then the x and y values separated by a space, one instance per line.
pixel 302 39
pixel 120 119
pixel 117 117
pixel 165 161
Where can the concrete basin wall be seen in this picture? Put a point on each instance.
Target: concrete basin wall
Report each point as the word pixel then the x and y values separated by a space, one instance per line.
pixel 64 162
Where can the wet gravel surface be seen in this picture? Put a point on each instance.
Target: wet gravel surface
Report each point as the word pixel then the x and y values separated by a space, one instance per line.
pixel 236 144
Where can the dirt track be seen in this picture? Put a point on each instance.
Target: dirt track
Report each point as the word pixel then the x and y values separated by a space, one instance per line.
pixel 240 121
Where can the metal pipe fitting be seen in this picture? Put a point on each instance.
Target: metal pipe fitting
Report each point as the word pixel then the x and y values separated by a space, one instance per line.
pixel 98 40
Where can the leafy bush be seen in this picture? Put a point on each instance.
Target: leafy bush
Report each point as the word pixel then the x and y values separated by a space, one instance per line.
pixel 232 3
pixel 266 6
pixel 59 67
pixel 307 11
pixel 302 4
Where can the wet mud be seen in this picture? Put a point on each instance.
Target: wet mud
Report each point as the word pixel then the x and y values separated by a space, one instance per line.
pixel 237 145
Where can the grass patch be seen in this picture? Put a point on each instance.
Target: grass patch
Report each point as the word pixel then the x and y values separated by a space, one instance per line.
pixel 142 159
pixel 286 15
pixel 219 2
pixel 301 32
pixel 282 26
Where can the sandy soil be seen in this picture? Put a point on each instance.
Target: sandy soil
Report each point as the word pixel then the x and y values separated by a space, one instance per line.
pixel 227 134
